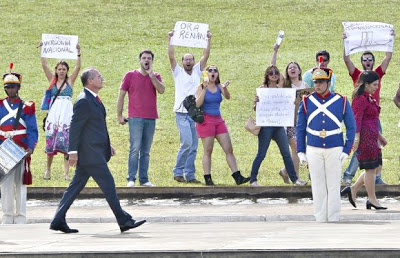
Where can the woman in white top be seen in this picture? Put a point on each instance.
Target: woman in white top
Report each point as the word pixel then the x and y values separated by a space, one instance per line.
pixel 293 80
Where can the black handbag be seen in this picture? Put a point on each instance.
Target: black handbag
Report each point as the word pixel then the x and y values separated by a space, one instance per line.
pixel 196 113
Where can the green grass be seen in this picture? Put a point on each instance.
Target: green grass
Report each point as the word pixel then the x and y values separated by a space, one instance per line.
pixel 112 33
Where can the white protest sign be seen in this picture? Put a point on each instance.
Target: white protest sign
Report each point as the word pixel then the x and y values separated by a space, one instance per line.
pixel 59 46
pixel 275 107
pixel 372 36
pixel 190 34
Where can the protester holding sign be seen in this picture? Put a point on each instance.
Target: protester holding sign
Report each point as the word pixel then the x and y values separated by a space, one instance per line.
pixel 186 79
pixel 293 79
pixel 209 95
pixel 367 62
pixel 320 119
pixel 18 121
pixel 273 79
pixel 60 113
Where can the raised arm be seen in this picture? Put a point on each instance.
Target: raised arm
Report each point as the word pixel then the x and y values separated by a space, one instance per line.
pixel 201 93
pixel 349 64
pixel 224 89
pixel 388 57
pixel 171 53
pixel 77 68
pixel 275 54
pixel 46 69
pixel 206 52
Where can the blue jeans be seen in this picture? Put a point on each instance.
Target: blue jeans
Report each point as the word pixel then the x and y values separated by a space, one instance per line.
pixel 141 132
pixel 351 170
pixel 278 134
pixel 186 157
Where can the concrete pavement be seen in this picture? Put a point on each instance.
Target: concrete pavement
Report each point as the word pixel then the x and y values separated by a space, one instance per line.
pixel 207 227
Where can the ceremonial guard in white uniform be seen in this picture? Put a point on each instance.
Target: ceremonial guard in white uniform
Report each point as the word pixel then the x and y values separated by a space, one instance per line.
pixel 320 118
pixel 25 134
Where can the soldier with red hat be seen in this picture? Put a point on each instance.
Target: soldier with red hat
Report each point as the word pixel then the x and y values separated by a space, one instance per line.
pixel 25 134
pixel 320 118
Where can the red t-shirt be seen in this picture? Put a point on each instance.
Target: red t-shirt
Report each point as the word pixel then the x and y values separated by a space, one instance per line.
pixel 378 70
pixel 142 96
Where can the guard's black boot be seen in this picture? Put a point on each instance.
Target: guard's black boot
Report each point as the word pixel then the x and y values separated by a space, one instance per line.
pixel 239 179
pixel 208 180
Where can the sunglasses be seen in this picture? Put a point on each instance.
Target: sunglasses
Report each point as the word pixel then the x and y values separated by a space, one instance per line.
pixel 213 70
pixel 273 73
pixel 368 59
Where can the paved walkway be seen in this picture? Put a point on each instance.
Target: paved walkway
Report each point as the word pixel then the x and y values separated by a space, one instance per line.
pixel 232 228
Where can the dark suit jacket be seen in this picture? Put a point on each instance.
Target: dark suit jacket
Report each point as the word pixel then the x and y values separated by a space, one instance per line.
pixel 88 131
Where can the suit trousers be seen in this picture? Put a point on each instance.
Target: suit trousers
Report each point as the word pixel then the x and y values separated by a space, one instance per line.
pixel 325 171
pixel 102 176
pixel 13 195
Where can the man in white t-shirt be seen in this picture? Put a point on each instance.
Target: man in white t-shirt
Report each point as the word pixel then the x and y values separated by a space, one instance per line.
pixel 186 78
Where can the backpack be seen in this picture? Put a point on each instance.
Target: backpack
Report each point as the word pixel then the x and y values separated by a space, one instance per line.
pixel 196 113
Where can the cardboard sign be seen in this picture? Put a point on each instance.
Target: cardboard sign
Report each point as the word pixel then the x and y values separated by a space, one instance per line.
pixel 190 34
pixel 372 36
pixel 275 107
pixel 59 46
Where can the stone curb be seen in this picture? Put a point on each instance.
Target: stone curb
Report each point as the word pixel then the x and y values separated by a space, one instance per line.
pixel 229 218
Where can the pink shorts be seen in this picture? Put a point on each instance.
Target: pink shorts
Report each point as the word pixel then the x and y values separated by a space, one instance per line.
pixel 211 126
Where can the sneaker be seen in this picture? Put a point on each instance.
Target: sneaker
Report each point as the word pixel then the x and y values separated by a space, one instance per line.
pixel 347 182
pixel 131 184
pixel 179 179
pixel 148 184
pixel 194 181
pixel 255 184
pixel 284 176
pixel 300 182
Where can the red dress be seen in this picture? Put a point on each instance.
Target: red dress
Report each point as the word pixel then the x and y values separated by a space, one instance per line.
pixel 366 113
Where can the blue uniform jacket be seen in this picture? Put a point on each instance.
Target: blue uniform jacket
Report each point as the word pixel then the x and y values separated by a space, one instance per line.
pixel 27 123
pixel 322 121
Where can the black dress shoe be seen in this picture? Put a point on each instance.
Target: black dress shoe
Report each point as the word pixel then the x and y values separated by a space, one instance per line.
pixel 347 190
pixel 63 228
pixel 131 224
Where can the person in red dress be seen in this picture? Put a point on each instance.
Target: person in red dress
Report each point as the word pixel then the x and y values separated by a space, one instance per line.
pixel 368 140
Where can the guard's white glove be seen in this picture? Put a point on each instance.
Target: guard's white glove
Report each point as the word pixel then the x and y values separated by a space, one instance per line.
pixel 303 159
pixel 343 157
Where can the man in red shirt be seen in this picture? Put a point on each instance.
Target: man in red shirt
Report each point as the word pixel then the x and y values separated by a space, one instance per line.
pixel 367 62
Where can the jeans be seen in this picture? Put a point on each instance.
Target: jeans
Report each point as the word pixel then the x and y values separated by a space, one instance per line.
pixel 141 132
pixel 278 134
pixel 186 157
pixel 351 170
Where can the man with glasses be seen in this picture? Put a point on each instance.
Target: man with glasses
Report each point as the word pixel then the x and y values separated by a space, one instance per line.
pixel 307 76
pixel 367 62
pixel 186 78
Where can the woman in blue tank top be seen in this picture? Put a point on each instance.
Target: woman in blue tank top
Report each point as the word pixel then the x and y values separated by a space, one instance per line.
pixel 209 96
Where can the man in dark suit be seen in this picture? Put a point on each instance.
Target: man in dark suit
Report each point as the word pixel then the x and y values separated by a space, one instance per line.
pixel 89 151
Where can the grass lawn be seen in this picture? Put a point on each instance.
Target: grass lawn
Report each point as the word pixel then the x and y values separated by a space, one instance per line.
pixel 112 33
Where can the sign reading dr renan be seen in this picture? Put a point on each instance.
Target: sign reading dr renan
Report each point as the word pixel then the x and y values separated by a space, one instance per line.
pixel 59 46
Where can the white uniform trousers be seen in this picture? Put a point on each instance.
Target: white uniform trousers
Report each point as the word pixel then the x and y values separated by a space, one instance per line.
pixel 325 171
pixel 13 194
